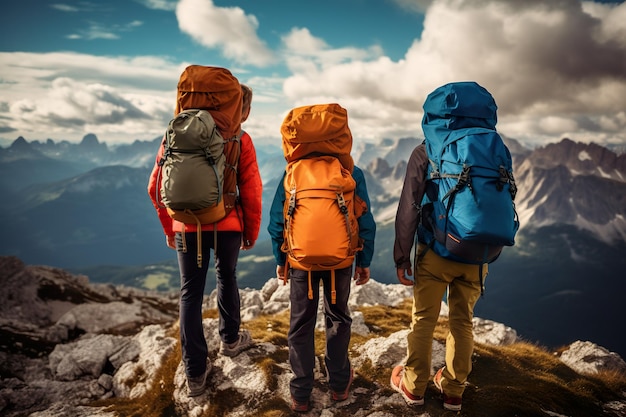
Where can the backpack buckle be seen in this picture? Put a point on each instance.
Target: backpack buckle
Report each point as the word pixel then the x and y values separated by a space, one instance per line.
pixel 292 202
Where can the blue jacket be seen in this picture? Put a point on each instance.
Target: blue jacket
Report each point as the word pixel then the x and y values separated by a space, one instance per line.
pixel 367 225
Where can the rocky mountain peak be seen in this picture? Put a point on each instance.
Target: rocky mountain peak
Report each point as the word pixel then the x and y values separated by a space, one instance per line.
pixel 89 140
pixel 20 143
pixel 573 183
pixel 72 344
pixel 379 167
pixel 19 149
pixel 581 159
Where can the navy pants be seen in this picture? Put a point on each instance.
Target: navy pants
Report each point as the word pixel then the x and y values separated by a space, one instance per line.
pixel 192 283
pixel 301 336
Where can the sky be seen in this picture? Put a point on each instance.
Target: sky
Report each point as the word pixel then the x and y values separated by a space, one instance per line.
pixel 556 68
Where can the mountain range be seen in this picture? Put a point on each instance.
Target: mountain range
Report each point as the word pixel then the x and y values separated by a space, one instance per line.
pixel 84 207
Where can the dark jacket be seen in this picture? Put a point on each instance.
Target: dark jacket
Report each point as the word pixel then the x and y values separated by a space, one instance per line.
pixel 407 217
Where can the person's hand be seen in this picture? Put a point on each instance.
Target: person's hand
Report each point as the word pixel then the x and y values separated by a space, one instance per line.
pixel 402 276
pixel 280 273
pixel 361 275
pixel 171 241
pixel 247 244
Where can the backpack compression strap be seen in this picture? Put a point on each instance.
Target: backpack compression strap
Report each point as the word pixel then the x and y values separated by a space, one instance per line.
pixel 344 210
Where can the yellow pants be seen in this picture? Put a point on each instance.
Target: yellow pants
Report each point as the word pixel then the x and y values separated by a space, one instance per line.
pixel 434 274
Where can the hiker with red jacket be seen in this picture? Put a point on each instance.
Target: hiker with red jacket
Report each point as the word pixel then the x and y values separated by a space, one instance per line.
pixel 306 131
pixel 229 107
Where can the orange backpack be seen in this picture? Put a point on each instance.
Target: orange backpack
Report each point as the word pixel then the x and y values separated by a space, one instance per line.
pixel 321 207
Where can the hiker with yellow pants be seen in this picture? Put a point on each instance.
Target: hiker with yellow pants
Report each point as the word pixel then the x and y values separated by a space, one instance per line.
pixel 456 207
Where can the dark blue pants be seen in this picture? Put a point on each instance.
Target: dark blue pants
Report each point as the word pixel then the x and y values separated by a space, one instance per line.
pixel 301 336
pixel 192 283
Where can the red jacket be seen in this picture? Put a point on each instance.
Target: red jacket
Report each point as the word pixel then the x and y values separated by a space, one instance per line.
pixel 245 218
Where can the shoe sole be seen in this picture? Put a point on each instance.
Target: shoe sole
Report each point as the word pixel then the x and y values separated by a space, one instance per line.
pixel 300 407
pixel 399 389
pixel 196 393
pixel 451 407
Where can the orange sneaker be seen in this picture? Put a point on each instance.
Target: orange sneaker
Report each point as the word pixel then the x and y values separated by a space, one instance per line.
pixel 398 385
pixel 299 406
pixel 449 403
pixel 343 395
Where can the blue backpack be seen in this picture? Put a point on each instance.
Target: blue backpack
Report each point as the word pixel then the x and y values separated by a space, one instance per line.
pixel 467 211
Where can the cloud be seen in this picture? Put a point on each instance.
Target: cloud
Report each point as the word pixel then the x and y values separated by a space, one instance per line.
pixel 68 95
pixel 64 7
pixel 98 31
pixel 555 68
pixel 419 6
pixel 226 28
pixel 167 5
pixel 543 61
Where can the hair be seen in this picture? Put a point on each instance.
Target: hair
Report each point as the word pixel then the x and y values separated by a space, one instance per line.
pixel 247 95
pixel 247 101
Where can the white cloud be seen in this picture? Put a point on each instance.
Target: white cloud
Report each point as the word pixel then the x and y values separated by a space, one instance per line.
pixel 557 125
pixel 167 5
pixel 64 7
pixel 226 28
pixel 550 66
pixel 555 69
pixel 301 47
pixel 612 28
pixel 99 31
pixel 68 95
pixel 414 5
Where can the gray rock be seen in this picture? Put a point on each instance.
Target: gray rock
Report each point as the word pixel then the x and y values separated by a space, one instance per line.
pixel 589 358
pixel 86 357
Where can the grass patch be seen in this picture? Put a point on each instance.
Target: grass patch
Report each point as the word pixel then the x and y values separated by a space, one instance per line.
pixel 157 401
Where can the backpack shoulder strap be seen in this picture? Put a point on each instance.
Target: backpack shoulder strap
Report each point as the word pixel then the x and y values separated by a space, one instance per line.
pixel 232 150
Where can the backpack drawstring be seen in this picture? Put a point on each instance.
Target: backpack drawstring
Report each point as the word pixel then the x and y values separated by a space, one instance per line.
pixel 480 276
pixel 480 271
pixel 215 242
pixel 198 238
pixel 310 287
pixel 184 241
pixel 333 291
pixel 285 277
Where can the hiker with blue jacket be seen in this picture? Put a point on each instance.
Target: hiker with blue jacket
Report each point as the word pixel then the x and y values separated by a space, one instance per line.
pixel 307 127
pixel 464 111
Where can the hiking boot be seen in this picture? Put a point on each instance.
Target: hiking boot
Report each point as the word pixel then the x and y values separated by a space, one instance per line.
pixel 243 342
pixel 300 406
pixel 197 385
pixel 449 403
pixel 398 385
pixel 343 395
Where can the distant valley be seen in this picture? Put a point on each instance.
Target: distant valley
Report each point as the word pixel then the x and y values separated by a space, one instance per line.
pixel 84 207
